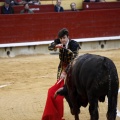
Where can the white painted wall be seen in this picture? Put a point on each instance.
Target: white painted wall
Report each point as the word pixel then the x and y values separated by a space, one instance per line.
pixel 87 44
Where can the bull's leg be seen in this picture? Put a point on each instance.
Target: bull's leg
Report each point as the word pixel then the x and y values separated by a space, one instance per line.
pixel 112 105
pixel 76 117
pixel 75 104
pixel 93 108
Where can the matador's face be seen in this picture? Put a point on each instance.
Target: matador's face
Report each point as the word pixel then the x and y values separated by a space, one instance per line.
pixel 64 39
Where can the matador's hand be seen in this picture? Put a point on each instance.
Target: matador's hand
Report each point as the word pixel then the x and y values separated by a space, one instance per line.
pixel 63 75
pixel 59 46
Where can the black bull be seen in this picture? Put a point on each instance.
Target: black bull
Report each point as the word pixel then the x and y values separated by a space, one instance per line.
pixel 90 79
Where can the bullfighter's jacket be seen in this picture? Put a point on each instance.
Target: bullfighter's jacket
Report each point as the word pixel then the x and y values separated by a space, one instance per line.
pixel 66 55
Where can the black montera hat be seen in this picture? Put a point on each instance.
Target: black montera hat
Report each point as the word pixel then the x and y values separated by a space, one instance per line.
pixel 63 32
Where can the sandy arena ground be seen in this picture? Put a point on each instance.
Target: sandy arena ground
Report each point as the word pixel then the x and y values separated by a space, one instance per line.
pixel 24 81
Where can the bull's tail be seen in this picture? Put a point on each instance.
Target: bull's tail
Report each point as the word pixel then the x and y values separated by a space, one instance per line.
pixel 113 83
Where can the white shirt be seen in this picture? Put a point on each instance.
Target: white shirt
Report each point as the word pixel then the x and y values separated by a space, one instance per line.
pixel 66 46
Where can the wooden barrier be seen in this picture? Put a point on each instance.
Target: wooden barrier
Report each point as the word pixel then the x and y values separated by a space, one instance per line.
pixel 100 5
pixel 45 26
pixel 35 8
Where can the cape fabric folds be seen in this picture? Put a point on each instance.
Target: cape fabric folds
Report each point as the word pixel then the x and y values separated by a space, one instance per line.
pixel 54 107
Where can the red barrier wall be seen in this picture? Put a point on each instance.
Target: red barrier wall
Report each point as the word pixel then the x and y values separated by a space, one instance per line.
pixel 45 26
